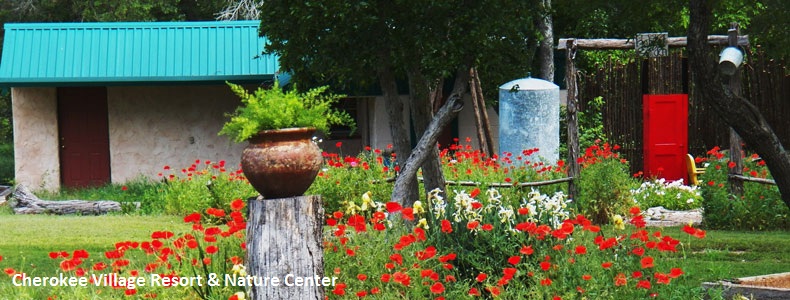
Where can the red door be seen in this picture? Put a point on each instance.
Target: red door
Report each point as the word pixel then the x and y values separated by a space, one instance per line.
pixel 84 136
pixel 665 136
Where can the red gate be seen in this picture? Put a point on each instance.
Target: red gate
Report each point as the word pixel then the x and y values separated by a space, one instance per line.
pixel 665 136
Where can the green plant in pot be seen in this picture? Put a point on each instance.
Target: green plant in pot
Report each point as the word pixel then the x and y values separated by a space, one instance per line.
pixel 281 160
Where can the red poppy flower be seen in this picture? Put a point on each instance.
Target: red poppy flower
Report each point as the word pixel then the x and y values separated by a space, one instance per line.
pixel 211 249
pixel 545 266
pixel 645 284
pixel 606 265
pixel 488 227
pixel 437 288
pixel 545 282
pixel 393 207
pixel 192 218
pixel 620 280
pixel 472 225
pixel 514 260
pixel 647 262
pixel 447 227
pixel 237 205
pixel 581 249
pixel 474 292
pixel 675 272
pixel 408 213
pixel 481 277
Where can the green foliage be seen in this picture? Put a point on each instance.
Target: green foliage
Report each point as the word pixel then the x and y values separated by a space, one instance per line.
pixel 604 184
pixel 760 207
pixel 202 185
pixel 590 123
pixel 671 195
pixel 7 163
pixel 274 108
pixel 345 177
pixel 434 39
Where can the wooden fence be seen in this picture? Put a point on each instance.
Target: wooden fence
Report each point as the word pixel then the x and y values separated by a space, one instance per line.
pixel 766 84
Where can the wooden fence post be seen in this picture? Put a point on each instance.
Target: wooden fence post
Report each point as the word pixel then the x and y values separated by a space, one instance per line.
pixel 573 126
pixel 285 248
pixel 736 151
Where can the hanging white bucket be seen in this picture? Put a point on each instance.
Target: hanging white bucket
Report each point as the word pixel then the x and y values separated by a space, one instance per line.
pixel 729 60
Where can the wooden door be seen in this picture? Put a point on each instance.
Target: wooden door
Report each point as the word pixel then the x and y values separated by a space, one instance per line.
pixel 83 136
pixel 665 136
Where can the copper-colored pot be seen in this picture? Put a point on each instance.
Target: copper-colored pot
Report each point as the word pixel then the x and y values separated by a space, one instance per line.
pixel 282 163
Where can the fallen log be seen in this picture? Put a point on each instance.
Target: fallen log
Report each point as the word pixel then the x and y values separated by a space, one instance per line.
pixel 22 201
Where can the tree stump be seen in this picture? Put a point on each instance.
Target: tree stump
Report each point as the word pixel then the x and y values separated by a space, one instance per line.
pixel 24 202
pixel 285 248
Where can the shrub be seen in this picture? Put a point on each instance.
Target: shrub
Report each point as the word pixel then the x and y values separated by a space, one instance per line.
pixel 671 195
pixel 604 184
pixel 760 207
pixel 343 177
pixel 203 184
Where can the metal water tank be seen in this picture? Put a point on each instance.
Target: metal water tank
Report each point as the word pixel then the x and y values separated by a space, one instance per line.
pixel 529 117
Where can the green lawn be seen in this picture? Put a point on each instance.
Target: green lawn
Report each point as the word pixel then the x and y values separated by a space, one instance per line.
pixel 731 254
pixel 27 240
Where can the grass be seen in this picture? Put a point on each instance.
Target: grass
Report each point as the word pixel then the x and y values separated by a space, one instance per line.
pixel 731 254
pixel 27 240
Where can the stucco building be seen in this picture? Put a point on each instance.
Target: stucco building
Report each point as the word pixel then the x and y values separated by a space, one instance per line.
pixel 107 102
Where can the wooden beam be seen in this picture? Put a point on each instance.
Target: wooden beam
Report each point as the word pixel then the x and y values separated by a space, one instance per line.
pixel 673 42
pixel 751 179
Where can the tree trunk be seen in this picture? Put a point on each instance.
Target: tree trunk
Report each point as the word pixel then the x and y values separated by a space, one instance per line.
pixel 24 202
pixel 428 140
pixel 546 46
pixel 398 126
pixel 284 241
pixel 421 115
pixel 736 111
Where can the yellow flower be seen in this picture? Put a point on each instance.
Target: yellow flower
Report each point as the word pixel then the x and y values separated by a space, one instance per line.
pixel 418 209
pixel 240 270
pixel 423 223
pixel 366 201
pixel 618 222
pixel 351 208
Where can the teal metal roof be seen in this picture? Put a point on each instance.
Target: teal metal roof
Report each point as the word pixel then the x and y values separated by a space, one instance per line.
pixel 57 54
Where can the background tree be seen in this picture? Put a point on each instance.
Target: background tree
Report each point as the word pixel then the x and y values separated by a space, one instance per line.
pixel 734 110
pixel 395 43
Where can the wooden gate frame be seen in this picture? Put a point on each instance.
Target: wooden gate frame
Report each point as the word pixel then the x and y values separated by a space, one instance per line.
pixel 571 45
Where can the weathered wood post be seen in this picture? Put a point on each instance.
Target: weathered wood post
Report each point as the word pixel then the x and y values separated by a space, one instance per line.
pixel 285 248
pixel 736 185
pixel 573 126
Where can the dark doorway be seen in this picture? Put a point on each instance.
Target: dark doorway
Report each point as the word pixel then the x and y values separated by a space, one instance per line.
pixel 84 138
